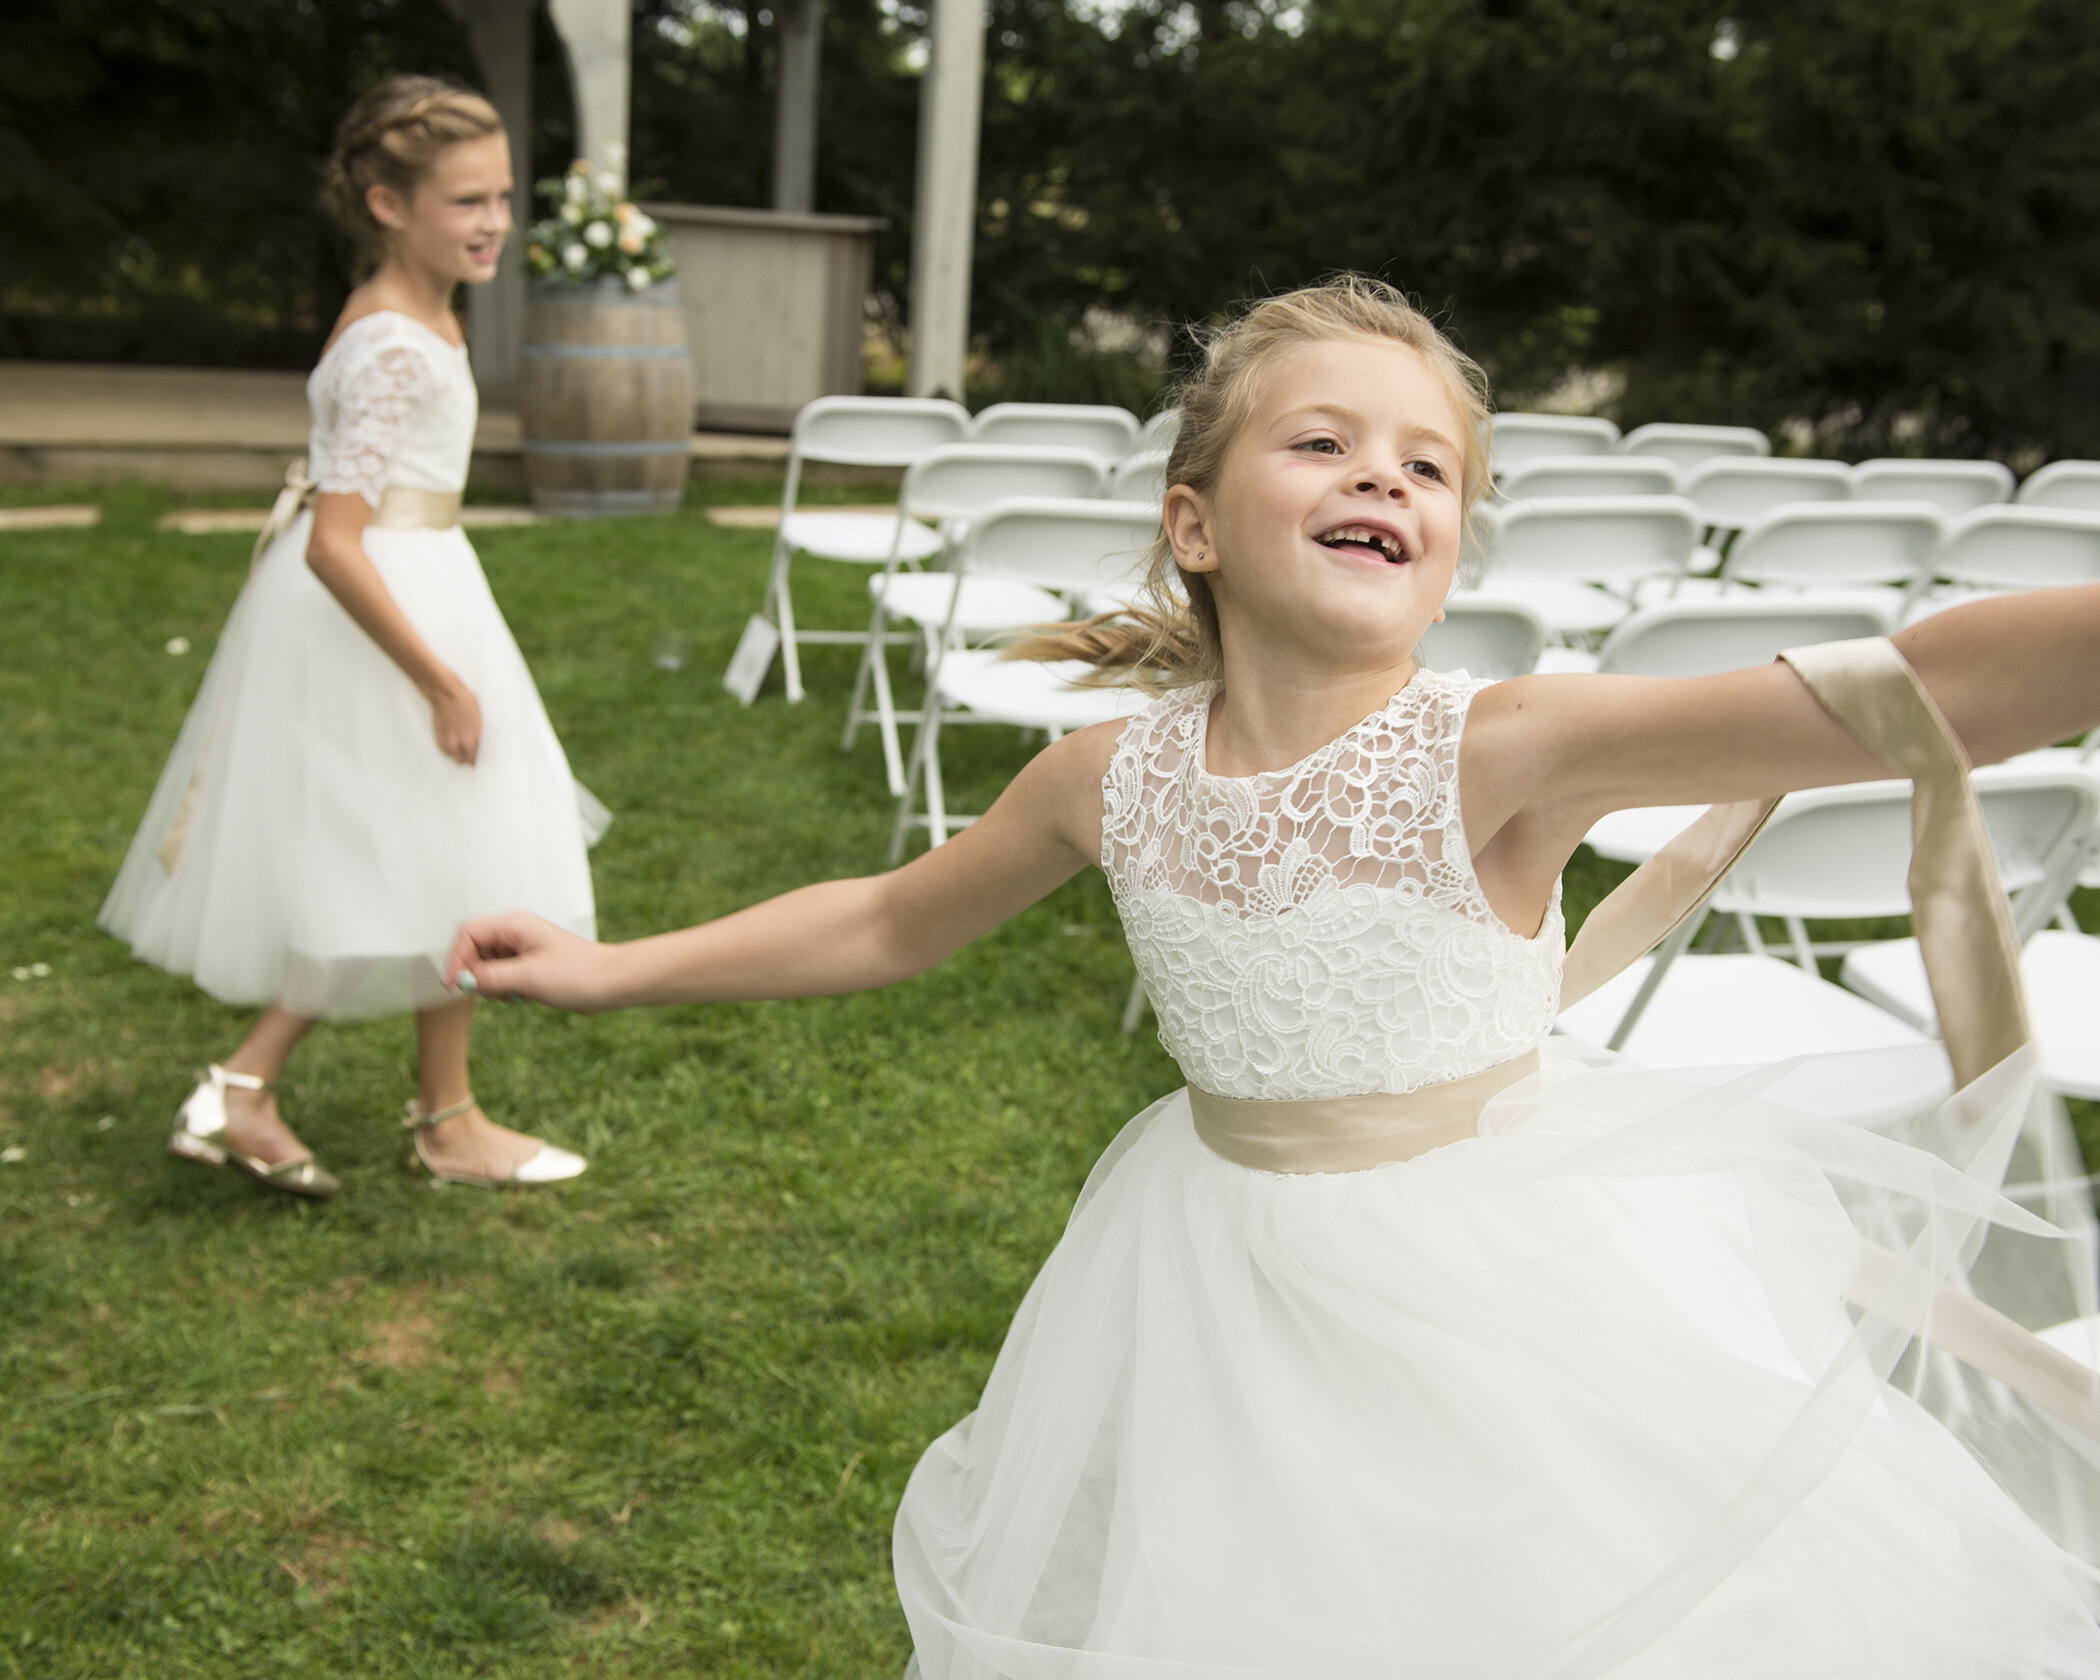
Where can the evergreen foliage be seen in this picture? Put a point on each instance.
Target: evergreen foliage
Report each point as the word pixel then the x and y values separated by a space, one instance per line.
pixel 1873 222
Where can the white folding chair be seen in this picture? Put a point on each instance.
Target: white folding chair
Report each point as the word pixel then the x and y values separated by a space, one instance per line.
pixel 1701 638
pixel 947 486
pixel 1109 432
pixel 1565 556
pixel 1997 550
pixel 1516 438
pixel 2043 852
pixel 1874 551
pixel 1141 477
pixel 1954 487
pixel 2063 484
pixel 1731 491
pixel 1158 433
pixel 861 432
pixel 1493 639
pixel 1689 445
pixel 1066 549
pixel 1827 854
pixel 1549 476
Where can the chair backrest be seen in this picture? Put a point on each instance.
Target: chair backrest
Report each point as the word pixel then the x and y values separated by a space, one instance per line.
pixel 1591 539
pixel 1589 475
pixel 2063 484
pixel 875 431
pixel 1496 639
pixel 1139 478
pixel 1159 433
pixel 959 479
pixel 1067 547
pixel 1837 545
pixel 1110 433
pixel 1951 486
pixel 1699 638
pixel 1689 445
pixel 2022 547
pixel 1733 490
pixel 1844 852
pixel 1515 438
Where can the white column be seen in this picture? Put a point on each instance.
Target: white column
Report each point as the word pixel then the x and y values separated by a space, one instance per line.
pixel 944 208
pixel 501 34
pixel 799 27
pixel 594 35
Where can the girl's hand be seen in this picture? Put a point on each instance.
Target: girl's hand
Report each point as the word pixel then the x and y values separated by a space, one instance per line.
pixel 520 955
pixel 455 718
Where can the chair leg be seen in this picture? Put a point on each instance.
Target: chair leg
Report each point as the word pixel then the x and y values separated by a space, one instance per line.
pixel 886 720
pixel 1134 1005
pixel 784 616
pixel 907 801
pixel 1658 965
pixel 936 793
pixel 855 717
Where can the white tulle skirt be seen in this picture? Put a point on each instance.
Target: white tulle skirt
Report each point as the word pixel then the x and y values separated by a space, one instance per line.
pixel 1579 1397
pixel 308 844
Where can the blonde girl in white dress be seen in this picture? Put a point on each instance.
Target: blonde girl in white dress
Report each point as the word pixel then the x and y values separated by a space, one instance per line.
pixel 368 762
pixel 1403 1342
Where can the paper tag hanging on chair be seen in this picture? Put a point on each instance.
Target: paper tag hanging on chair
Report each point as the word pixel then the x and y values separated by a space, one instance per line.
pixel 753 658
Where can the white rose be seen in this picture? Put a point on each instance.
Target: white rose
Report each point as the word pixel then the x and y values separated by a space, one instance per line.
pixel 574 188
pixel 637 279
pixel 572 213
pixel 575 256
pixel 598 235
pixel 642 225
pixel 609 184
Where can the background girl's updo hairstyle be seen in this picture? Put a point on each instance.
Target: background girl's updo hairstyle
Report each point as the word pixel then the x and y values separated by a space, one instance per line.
pixel 1170 640
pixel 390 138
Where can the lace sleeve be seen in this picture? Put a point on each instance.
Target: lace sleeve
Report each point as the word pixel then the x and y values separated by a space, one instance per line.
pixel 377 399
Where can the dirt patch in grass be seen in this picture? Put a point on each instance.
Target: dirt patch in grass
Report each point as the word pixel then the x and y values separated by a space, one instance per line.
pixel 324 1562
pixel 402 1341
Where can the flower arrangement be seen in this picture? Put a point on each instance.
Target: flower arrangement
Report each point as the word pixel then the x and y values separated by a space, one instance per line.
pixel 592 233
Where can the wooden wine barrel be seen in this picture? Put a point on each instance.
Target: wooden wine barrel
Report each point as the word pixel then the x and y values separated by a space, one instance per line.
pixel 605 399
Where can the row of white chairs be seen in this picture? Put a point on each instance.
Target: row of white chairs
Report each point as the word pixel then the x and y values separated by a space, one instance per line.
pixel 1535 449
pixel 894 433
pixel 1731 491
pixel 1584 562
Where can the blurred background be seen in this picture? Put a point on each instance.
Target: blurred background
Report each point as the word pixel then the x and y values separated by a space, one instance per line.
pixel 1865 226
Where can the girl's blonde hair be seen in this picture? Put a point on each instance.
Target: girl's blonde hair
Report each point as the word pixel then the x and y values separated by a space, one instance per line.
pixel 391 138
pixel 1170 639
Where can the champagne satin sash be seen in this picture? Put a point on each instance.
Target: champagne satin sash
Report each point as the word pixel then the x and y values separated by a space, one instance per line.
pixel 1971 957
pixel 401 508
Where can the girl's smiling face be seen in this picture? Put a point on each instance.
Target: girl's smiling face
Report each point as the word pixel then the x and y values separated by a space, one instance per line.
pixel 1336 519
pixel 456 220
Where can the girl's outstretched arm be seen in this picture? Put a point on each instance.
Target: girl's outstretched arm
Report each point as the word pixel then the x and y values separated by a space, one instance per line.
pixel 836 936
pixel 1544 757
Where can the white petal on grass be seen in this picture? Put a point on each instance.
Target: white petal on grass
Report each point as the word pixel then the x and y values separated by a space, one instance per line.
pixel 14 1152
pixel 178 644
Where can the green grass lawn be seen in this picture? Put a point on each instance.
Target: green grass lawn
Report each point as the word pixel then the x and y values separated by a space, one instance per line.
pixel 652 1422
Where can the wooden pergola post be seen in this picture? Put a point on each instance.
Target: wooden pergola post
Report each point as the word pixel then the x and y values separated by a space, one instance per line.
pixel 944 222
pixel 801 33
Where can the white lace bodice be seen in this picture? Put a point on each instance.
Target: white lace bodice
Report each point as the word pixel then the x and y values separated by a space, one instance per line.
pixel 393 403
pixel 1319 931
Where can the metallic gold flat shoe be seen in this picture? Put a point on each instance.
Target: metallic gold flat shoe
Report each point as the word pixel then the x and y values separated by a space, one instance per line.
pixel 200 1136
pixel 549 1164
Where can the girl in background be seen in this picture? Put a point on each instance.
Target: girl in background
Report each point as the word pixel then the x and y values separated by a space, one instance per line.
pixel 367 762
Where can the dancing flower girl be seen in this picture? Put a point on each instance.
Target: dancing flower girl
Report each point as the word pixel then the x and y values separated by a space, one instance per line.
pixel 368 761
pixel 1405 1341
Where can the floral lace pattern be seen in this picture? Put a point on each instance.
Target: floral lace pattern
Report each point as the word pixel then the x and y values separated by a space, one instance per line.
pixel 392 404
pixel 1319 931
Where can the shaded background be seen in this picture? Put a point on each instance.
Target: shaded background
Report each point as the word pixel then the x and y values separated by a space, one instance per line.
pixel 1867 225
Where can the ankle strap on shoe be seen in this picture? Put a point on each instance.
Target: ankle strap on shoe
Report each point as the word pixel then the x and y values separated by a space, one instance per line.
pixel 420 1119
pixel 225 1077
